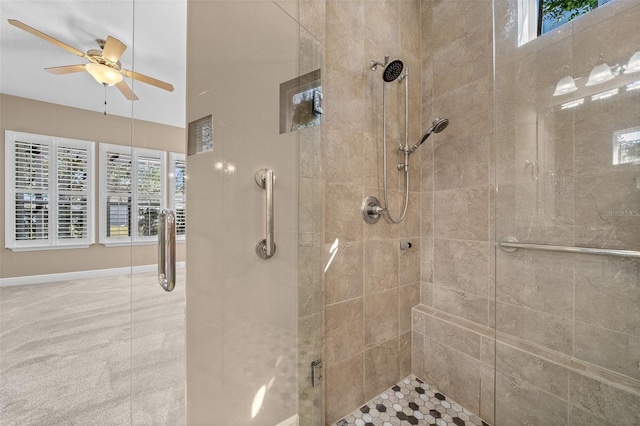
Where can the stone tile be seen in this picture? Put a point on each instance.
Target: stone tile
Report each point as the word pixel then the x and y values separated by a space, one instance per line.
pixel 578 417
pixel 606 218
pixel 614 351
pixel 607 293
pixel 381 367
pixel 452 335
pixel 541 281
pixel 464 305
pixel 344 330
pixel 310 294
pixel 404 351
pixel 343 155
pixel 514 405
pixel 534 370
pixel 426 260
pixel 380 265
pixel 461 162
pixel 546 330
pixel 343 220
pixel 408 297
pixel 426 211
pixel 604 401
pixel 348 374
pixel 380 317
pixel 417 353
pixel 462 265
pixel 343 276
pixel 410 226
pixel 462 214
pixel 409 262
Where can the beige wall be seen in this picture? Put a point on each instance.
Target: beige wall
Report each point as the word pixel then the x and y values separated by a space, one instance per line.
pixel 26 115
pixel 371 284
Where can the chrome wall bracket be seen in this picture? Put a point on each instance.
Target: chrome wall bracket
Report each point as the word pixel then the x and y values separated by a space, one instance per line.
pixel 371 210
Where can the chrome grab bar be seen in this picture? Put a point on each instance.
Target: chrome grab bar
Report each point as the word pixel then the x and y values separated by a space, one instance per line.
pixel 511 244
pixel 167 250
pixel 267 247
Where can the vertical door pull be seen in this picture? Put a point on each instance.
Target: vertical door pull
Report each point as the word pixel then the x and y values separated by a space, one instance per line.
pixel 267 247
pixel 167 249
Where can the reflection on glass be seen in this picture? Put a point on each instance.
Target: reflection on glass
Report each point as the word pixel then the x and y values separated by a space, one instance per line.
pixel 626 146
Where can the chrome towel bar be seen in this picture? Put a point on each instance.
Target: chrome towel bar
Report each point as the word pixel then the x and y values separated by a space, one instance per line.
pixel 267 247
pixel 511 244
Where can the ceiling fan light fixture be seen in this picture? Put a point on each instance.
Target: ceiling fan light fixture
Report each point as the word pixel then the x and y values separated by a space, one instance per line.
pixel 104 74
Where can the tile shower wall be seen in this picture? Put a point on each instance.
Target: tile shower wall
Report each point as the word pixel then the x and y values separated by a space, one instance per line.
pixel 452 328
pixel 567 341
pixel 370 284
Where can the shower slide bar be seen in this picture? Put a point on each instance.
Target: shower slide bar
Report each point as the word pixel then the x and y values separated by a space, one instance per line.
pixel 267 247
pixel 511 244
pixel 167 250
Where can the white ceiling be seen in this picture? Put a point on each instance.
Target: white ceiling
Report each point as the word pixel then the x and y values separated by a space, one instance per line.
pixel 156 47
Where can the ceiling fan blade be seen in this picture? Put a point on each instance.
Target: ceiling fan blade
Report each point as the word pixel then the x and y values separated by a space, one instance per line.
pixel 113 49
pixel 67 69
pixel 126 91
pixel 46 37
pixel 149 80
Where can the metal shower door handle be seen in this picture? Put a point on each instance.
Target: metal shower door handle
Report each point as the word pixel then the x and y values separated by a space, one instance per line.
pixel 167 250
pixel 267 247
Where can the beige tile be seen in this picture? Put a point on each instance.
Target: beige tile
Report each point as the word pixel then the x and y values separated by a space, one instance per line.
pixel 607 293
pixel 515 404
pixel 426 260
pixel 536 280
pixel 380 317
pixel 603 400
pixel 417 354
pixel 313 17
pixel 344 330
pixel 460 162
pixel 426 213
pixel 343 155
pixel 614 351
pixel 462 265
pixel 536 371
pixel 380 265
pixel 382 15
pixel 462 214
pixel 311 205
pixel 454 19
pixel 546 330
pixel 381 367
pixel 409 16
pixel 410 226
pixel 578 417
pixel 404 351
pixel 343 220
pixel 606 218
pixel 461 304
pixel 310 294
pixel 459 338
pixel 408 297
pixel 453 373
pixel 409 262
pixel 344 388
pixel 343 276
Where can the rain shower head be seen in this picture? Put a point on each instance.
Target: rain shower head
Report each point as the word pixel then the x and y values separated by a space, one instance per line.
pixel 438 125
pixel 392 70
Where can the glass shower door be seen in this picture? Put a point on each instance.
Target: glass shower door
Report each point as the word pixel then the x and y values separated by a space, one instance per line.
pixel 568 175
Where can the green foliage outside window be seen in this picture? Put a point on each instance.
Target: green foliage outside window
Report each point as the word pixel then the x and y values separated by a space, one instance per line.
pixel 556 10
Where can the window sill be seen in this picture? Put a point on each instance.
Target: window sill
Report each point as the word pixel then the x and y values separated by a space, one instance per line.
pixel 43 248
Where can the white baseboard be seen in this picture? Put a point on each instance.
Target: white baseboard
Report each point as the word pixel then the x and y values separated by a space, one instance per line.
pixel 291 421
pixel 79 275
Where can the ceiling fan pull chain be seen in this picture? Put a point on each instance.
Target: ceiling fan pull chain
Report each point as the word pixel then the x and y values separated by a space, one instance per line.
pixel 105 99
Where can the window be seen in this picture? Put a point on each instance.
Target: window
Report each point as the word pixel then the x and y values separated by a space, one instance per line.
pixel 49 202
pixel 626 146
pixel 177 185
pixel 540 16
pixel 132 193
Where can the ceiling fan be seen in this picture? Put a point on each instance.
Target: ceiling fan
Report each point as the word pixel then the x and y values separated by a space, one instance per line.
pixel 104 64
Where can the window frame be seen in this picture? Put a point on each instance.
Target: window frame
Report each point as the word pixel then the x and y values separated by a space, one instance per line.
pixel 174 157
pixel 53 241
pixel 135 153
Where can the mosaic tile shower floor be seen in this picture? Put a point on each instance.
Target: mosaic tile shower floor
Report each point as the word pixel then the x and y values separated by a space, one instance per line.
pixel 411 402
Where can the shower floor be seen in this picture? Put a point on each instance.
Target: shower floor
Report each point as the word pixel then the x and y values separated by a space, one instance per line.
pixel 411 402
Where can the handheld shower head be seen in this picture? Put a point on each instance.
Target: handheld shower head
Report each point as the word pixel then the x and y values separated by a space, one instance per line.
pixel 438 125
